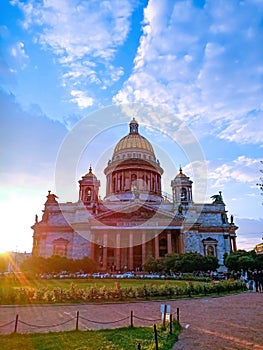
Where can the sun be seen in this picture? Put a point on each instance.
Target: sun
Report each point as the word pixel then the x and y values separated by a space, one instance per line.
pixel 3 251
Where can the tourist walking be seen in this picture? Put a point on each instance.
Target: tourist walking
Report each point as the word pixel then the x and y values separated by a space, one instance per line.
pixel 250 280
pixel 256 279
pixel 260 281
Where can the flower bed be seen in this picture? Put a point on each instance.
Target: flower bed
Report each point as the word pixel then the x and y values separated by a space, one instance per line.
pixel 151 290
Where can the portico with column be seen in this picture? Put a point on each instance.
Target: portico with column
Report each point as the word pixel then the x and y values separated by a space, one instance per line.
pixel 123 246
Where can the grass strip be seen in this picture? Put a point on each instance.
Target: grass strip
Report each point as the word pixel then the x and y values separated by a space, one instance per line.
pixel 126 338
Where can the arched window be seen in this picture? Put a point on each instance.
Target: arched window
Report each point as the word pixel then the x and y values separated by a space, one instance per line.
pixel 60 247
pixel 183 194
pixel 88 195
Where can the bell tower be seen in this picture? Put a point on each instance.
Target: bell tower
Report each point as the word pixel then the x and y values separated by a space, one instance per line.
pixel 182 189
pixel 89 189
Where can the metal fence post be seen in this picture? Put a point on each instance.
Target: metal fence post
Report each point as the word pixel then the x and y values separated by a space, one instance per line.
pixel 155 336
pixel 171 323
pixel 177 315
pixel 164 314
pixel 77 321
pixel 131 318
pixel 16 324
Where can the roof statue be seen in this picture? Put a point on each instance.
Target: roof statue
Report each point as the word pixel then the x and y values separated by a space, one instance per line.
pixel 217 198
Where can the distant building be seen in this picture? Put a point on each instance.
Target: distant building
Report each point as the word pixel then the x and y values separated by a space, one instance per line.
pixel 16 259
pixel 135 220
pixel 259 248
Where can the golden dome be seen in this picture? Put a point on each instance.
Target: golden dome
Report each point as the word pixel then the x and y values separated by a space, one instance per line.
pixel 134 142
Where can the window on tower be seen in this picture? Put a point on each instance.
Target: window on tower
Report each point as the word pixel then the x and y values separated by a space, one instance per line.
pixel 88 195
pixel 183 194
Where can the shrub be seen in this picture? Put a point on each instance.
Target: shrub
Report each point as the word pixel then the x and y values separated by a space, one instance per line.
pixel 75 294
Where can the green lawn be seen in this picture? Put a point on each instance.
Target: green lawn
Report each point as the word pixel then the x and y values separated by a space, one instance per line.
pixel 84 283
pixel 111 339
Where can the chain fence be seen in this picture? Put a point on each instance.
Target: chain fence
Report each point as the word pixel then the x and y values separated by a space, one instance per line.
pixel 75 322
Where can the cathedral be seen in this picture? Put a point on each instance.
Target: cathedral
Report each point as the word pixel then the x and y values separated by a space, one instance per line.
pixel 135 220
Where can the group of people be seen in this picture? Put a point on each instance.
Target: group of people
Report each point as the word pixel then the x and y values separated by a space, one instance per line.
pixel 255 280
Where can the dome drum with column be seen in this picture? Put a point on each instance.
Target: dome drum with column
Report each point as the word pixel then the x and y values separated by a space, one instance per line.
pixel 133 172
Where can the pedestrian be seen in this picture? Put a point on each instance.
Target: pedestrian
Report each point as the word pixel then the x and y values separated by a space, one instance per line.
pixel 260 281
pixel 250 280
pixel 256 279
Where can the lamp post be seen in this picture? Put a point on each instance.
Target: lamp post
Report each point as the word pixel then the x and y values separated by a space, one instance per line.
pixel 101 247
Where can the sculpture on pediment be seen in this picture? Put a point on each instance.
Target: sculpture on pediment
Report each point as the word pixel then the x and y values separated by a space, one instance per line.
pixel 224 218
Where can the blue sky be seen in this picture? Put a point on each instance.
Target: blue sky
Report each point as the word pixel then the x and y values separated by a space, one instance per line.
pixel 201 61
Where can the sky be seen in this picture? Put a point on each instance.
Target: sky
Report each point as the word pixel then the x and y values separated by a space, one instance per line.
pixel 200 61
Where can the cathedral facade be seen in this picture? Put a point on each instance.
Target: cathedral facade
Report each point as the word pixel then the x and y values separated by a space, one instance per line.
pixel 135 220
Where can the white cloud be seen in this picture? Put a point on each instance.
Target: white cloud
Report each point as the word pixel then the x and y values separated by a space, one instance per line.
pixel 81 99
pixel 19 54
pixel 83 35
pixel 248 129
pixel 205 65
pixel 242 169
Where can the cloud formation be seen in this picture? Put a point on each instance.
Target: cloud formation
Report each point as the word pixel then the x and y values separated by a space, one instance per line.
pixel 204 64
pixel 83 36
pixel 242 169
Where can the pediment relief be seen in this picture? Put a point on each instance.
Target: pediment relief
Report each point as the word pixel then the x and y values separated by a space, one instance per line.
pixel 137 214
pixel 135 210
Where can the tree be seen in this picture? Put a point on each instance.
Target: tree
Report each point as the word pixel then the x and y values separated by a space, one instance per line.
pixel 3 262
pixel 86 265
pixel 189 262
pixel 259 261
pixel 209 263
pixel 153 265
pixel 170 262
pixel 243 260
pixel 56 264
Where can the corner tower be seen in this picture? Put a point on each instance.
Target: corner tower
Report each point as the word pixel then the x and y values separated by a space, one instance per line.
pixel 89 189
pixel 182 189
pixel 133 172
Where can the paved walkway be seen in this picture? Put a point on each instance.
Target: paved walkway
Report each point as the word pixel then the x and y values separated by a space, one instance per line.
pixel 229 322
